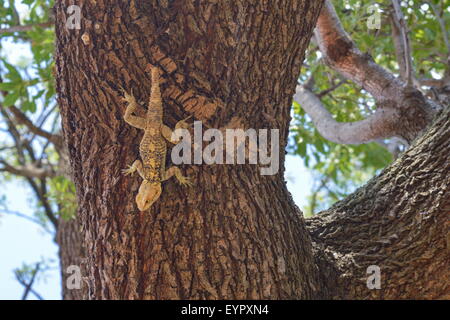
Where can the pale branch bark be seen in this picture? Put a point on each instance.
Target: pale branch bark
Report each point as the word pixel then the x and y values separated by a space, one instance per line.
pixel 22 28
pixel 379 125
pixel 375 128
pixel 414 111
pixel 404 47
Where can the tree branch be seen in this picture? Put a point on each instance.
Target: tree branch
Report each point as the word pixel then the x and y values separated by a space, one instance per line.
pixel 40 191
pixel 29 27
pixel 411 111
pixel 398 45
pixel 26 217
pixel 442 25
pixel 403 43
pixel 398 221
pixel 331 89
pixel 28 286
pixel 23 119
pixel 438 83
pixel 28 170
pixel 342 55
pixel 379 125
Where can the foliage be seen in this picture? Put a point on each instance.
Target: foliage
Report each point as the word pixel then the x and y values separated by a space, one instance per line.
pixel 27 83
pixel 62 194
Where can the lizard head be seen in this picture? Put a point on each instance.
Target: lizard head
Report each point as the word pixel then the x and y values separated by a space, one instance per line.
pixel 148 193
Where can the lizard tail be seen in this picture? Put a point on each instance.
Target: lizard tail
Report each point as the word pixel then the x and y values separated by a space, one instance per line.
pixel 156 93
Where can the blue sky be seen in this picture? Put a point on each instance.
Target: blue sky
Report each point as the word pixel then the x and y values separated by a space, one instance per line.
pixel 23 241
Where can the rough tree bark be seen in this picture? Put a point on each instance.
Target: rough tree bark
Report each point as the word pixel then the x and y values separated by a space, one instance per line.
pixel 399 221
pixel 236 234
pixel 71 253
pixel 223 238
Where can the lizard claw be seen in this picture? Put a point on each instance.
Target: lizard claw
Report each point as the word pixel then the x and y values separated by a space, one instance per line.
pixel 129 171
pixel 182 124
pixel 185 181
pixel 129 98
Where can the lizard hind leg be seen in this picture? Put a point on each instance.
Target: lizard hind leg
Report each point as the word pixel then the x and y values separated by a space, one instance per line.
pixel 136 166
pixel 175 171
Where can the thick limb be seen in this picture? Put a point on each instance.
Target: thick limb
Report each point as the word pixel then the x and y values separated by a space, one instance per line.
pixel 132 107
pixel 175 171
pixel 167 133
pixel 136 166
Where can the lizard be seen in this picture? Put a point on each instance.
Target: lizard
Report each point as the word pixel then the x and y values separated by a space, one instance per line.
pixel 153 148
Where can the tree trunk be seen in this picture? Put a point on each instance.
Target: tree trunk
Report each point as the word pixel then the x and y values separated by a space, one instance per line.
pixel 399 222
pixel 71 253
pixel 223 238
pixel 236 234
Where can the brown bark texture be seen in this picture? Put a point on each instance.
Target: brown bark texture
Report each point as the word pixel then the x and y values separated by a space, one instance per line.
pixel 225 62
pixel 236 234
pixel 71 253
pixel 399 222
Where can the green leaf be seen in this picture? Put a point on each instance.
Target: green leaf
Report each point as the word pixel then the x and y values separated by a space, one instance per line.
pixel 9 86
pixel 13 73
pixel 11 99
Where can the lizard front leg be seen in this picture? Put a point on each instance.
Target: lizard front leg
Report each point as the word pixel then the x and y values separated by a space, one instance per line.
pixel 167 133
pixel 175 171
pixel 132 106
pixel 136 166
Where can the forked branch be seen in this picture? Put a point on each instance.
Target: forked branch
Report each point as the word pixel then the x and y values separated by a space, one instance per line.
pixel 402 110
pixel 379 125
